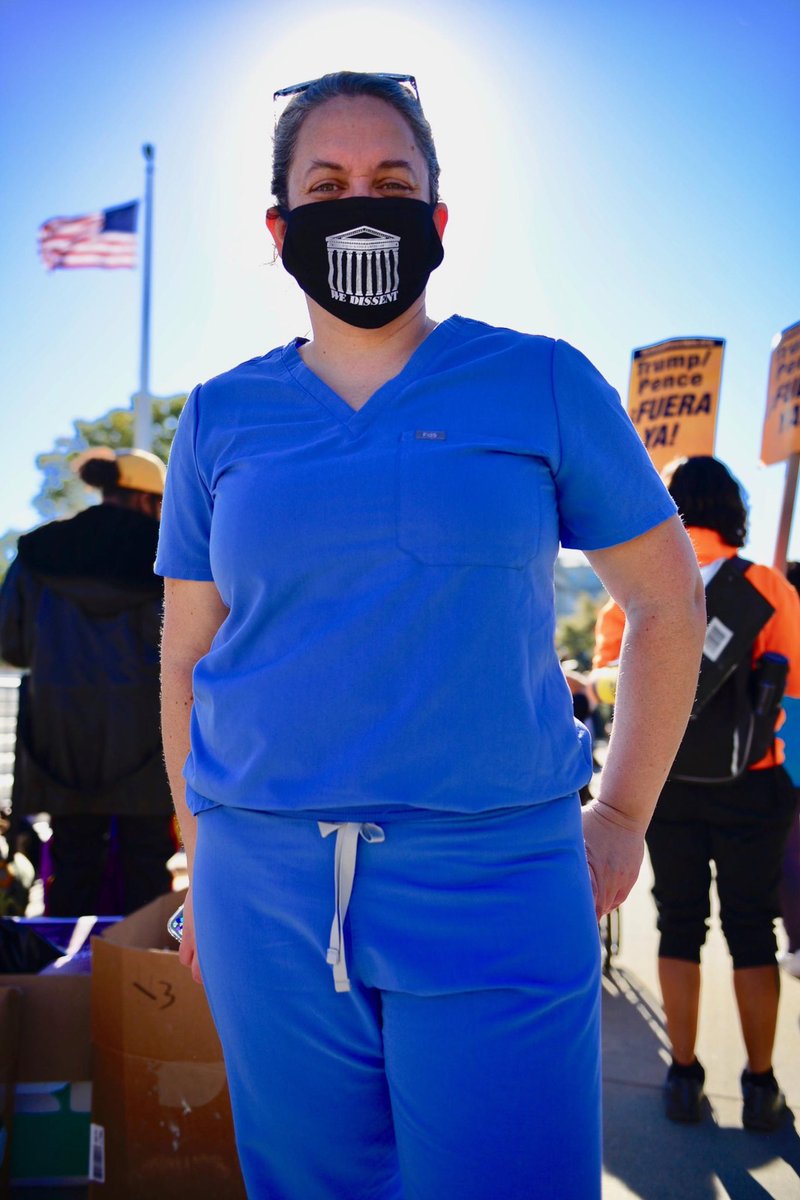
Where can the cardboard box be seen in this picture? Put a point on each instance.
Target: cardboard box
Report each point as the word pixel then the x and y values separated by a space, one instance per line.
pixel 161 1119
pixel 10 1016
pixel 50 1125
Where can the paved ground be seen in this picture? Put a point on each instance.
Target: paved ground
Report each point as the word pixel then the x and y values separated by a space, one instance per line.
pixel 645 1155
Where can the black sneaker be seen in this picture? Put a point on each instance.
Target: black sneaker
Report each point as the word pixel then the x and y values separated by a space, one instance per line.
pixel 683 1093
pixel 764 1107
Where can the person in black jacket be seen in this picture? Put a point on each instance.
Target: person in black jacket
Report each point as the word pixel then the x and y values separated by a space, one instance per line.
pixel 81 610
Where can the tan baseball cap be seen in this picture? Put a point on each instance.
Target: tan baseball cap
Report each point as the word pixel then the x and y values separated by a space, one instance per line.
pixel 139 470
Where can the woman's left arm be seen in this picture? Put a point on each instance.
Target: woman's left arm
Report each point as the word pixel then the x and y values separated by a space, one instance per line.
pixel 656 582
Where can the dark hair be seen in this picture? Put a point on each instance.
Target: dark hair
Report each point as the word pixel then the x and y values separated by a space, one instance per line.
pixel 347 83
pixel 102 473
pixel 793 574
pixel 708 497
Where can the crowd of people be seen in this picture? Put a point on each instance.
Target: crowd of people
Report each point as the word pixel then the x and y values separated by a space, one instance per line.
pixel 370 742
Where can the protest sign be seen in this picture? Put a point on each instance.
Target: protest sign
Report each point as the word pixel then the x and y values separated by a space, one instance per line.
pixel 781 436
pixel 673 396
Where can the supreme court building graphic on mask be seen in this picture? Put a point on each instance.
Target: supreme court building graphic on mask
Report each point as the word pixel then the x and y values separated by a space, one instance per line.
pixel 364 266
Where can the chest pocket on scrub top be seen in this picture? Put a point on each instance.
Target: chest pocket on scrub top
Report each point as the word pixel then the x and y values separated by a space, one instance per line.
pixel 467 501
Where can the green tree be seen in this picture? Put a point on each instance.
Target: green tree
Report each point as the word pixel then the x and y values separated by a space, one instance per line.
pixel 62 494
pixel 575 632
pixel 8 548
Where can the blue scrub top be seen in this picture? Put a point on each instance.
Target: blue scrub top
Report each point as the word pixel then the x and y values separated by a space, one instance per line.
pixel 389 573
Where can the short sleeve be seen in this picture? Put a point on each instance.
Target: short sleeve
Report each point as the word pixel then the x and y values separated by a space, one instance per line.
pixel 608 489
pixel 609 630
pixel 186 513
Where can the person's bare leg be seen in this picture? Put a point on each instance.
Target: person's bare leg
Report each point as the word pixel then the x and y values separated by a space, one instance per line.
pixel 680 993
pixel 757 992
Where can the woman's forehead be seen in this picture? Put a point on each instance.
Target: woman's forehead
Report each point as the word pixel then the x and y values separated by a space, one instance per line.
pixel 348 124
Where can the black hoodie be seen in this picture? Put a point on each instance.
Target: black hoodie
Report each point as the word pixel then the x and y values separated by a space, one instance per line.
pixel 81 609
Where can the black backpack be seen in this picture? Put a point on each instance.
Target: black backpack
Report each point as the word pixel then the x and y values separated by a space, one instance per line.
pixel 732 723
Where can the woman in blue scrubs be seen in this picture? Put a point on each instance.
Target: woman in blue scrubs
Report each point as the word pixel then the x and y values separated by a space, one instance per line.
pixel 368 734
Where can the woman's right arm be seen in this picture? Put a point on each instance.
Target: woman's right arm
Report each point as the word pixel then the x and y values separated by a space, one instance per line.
pixel 193 612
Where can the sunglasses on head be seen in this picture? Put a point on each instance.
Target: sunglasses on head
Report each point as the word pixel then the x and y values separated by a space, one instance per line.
pixel 284 95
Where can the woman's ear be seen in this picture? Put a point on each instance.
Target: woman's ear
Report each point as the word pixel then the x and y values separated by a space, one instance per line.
pixel 440 215
pixel 276 226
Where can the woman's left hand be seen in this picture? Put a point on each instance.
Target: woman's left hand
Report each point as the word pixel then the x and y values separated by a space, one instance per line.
pixel 614 850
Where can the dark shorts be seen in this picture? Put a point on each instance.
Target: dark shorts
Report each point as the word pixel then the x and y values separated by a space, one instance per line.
pixel 742 828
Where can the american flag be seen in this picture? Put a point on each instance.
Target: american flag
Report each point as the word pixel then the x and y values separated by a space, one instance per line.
pixel 101 239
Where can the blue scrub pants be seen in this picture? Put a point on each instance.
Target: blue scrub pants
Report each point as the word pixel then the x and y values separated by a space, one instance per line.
pixel 464 1061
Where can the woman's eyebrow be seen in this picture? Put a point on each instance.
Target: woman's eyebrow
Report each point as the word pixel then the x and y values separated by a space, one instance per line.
pixel 392 164
pixel 321 163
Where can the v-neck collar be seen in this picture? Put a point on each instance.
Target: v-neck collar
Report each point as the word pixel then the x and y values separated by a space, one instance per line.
pixel 355 419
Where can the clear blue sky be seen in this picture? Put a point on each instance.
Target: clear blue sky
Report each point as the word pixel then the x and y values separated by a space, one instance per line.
pixel 617 173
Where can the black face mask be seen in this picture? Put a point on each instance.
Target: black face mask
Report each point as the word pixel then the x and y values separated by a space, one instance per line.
pixel 365 260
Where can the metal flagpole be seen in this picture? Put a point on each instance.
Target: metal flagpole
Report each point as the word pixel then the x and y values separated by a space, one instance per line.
pixel 787 511
pixel 142 404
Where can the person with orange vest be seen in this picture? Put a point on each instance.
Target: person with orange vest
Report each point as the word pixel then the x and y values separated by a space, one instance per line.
pixel 741 825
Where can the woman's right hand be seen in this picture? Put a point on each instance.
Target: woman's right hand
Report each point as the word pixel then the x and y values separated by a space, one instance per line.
pixel 614 851
pixel 187 954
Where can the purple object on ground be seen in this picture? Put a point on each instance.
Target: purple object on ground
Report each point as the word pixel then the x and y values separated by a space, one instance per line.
pixel 71 964
pixel 58 930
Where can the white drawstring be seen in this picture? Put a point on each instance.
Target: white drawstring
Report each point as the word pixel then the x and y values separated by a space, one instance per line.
pixel 344 872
